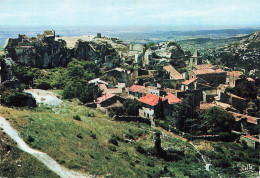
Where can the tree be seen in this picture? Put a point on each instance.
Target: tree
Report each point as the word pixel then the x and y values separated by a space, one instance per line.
pixel 246 90
pixel 182 112
pixel 218 120
pixel 159 111
pixel 11 97
pixel 131 107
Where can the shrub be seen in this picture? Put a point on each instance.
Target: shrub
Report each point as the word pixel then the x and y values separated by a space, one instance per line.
pixel 16 98
pixel 113 140
pixel 30 138
pixel 112 148
pixel 140 149
pixel 80 136
pixel 92 135
pixel 77 118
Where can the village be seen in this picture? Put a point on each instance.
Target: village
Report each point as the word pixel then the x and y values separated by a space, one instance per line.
pixel 177 92
pixel 208 85
pixel 145 73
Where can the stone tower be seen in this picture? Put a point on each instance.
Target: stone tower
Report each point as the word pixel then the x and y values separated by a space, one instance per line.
pixel 195 60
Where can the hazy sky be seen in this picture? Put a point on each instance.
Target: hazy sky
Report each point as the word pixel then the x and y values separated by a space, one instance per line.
pixel 224 13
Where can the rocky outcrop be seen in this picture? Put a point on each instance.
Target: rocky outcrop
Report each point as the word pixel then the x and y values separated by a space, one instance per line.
pixel 46 52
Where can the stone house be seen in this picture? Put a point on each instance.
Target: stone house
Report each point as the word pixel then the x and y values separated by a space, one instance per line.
pixel 108 99
pixel 189 84
pixel 232 77
pixel 209 95
pixel 137 91
pixel 213 76
pixel 175 78
pixel 237 102
pixel 150 104
pixel 122 75
pixel 251 141
pixel 249 124
pixel 173 73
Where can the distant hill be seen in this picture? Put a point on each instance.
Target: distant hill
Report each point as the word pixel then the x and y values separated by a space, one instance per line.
pixel 244 54
pixel 131 35
pixel 204 44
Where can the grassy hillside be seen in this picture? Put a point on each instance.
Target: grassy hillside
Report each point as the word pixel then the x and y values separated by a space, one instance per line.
pixel 86 145
pixel 16 163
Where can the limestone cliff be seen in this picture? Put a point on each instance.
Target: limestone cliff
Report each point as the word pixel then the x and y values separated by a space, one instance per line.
pixel 44 51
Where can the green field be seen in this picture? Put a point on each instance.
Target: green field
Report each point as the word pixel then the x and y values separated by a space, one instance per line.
pixel 84 145
pixel 16 163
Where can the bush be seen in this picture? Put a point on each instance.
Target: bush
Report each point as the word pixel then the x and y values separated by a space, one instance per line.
pixel 222 163
pixel 92 135
pixel 113 140
pixel 140 149
pixel 112 148
pixel 77 118
pixel 16 98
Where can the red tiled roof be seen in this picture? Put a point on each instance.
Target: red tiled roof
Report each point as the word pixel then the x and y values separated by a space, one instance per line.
pixel 250 119
pixel 102 87
pixel 172 98
pixel 104 97
pixel 208 71
pixel 235 73
pixel 250 79
pixel 235 96
pixel 151 99
pixel 205 106
pixel 169 90
pixel 174 73
pixel 187 82
pixel 114 90
pixel 136 88
pixel 204 66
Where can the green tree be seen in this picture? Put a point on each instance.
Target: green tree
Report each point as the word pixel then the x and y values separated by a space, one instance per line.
pixel 159 111
pixel 183 112
pixel 218 120
pixel 245 89
pixel 131 107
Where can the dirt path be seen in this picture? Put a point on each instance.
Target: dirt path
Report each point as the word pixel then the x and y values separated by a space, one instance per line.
pixel 43 157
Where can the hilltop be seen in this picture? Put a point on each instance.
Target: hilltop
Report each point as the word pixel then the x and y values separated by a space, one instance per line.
pixel 244 53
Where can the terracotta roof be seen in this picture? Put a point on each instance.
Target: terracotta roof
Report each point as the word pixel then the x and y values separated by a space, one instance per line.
pixel 114 90
pixel 251 138
pixel 204 66
pixel 205 106
pixel 104 97
pixel 208 71
pixel 235 73
pixel 136 88
pixel 235 96
pixel 250 119
pixel 187 82
pixel 102 87
pixel 169 90
pixel 151 87
pixel 151 99
pixel 143 90
pixel 174 73
pixel 250 79
pixel 172 98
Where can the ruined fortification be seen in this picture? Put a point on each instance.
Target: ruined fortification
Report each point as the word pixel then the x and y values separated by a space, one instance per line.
pixel 46 51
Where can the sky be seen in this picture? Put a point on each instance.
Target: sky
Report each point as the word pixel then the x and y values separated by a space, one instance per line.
pixel 79 13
